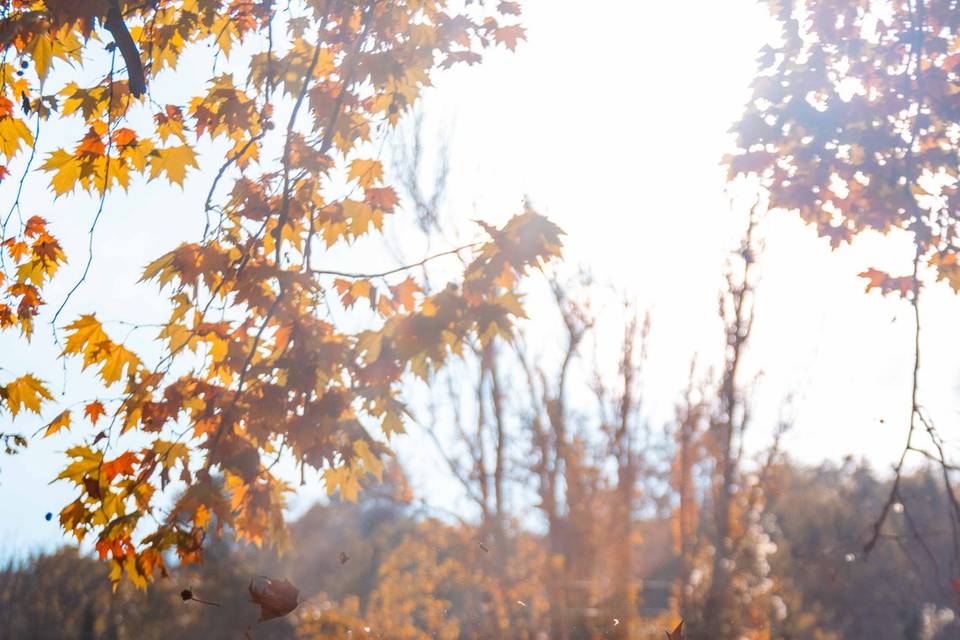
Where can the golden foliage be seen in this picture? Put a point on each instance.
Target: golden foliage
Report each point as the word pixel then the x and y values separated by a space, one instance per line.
pixel 266 373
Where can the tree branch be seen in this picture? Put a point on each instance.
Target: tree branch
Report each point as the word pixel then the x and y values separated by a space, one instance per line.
pixel 388 272
pixel 128 48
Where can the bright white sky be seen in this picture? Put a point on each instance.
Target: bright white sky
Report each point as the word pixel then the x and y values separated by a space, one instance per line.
pixel 612 118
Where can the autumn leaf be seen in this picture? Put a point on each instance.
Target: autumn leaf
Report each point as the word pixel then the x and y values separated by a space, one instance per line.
pixel 93 411
pixel 366 172
pixel 403 293
pixel 66 169
pixel 124 137
pixel 85 461
pixel 25 392
pixel 117 359
pixel 62 421
pixel 84 335
pixel 344 479
pixel 351 291
pixel 122 464
pixel 172 161
pixel 276 598
pixel 41 50
pixel 384 198
pixel 14 135
pixel 509 36
pixel 677 633
pixel 169 453
pixel 876 279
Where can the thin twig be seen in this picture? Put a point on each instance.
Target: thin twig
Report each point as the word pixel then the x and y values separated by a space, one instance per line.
pixel 381 274
pixel 103 200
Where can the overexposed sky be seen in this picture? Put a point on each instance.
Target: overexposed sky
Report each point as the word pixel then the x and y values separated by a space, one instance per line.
pixel 612 118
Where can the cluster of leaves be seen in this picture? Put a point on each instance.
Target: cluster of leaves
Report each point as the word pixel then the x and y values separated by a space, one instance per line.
pixel 852 123
pixel 252 367
pixel 31 258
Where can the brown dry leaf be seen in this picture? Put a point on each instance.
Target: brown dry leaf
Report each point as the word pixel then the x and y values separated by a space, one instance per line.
pixel 276 598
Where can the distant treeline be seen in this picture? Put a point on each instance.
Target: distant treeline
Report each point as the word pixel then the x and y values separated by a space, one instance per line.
pixel 385 568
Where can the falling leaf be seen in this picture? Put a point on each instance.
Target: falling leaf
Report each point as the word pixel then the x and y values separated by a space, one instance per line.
pixel 677 633
pixel 276 597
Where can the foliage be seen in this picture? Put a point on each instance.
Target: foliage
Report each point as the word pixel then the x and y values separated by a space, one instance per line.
pixel 853 124
pixel 852 120
pixel 252 364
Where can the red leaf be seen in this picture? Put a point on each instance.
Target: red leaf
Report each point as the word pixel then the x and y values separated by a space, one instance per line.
pixel 122 464
pixel 94 410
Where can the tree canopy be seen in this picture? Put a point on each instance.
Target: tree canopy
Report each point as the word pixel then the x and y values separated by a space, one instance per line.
pixel 852 122
pixel 253 366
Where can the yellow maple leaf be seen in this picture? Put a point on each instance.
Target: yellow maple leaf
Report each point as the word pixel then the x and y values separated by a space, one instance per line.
pixel 14 133
pixel 361 215
pixel 84 336
pixel 25 392
pixel 117 359
pixel 162 268
pixel 372 463
pixel 66 171
pixel 344 479
pixel 172 161
pixel 62 421
pixel 366 172
pixel 41 50
pixel 86 460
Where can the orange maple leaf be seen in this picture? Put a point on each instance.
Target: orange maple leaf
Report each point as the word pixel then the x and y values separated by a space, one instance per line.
pixel 122 464
pixel 901 285
pixel 94 410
